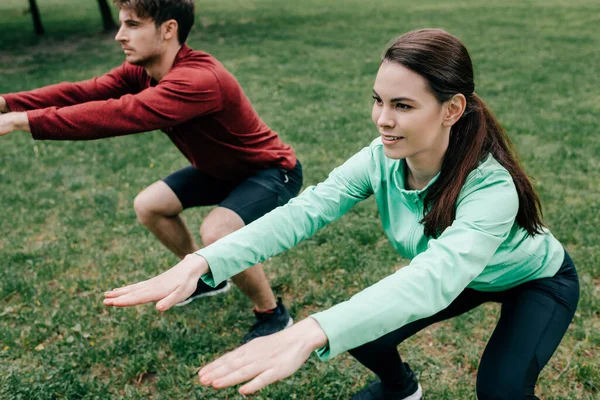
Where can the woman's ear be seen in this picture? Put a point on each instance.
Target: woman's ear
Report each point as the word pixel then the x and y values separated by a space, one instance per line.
pixel 454 109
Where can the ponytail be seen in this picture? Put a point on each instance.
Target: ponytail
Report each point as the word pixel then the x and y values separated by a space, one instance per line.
pixel 472 138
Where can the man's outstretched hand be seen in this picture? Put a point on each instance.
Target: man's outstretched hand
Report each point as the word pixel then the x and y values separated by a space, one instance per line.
pixel 14 121
pixel 3 105
pixel 167 289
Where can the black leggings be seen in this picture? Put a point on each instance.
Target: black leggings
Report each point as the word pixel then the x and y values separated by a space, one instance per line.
pixel 533 319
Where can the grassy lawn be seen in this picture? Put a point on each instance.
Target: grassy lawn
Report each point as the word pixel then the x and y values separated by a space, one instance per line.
pixel 69 232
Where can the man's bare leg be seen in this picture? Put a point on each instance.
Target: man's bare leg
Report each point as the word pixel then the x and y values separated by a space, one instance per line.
pixel 158 208
pixel 252 282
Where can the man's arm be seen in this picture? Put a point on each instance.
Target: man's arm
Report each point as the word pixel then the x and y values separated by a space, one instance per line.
pixel 13 121
pixel 180 96
pixel 116 83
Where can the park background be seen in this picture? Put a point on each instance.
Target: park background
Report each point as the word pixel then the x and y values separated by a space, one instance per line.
pixel 68 231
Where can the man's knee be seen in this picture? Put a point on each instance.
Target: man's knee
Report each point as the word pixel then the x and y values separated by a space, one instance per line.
pixel 210 234
pixel 143 209
pixel 219 223
pixel 156 201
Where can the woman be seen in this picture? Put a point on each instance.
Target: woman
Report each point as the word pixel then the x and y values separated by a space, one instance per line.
pixel 452 198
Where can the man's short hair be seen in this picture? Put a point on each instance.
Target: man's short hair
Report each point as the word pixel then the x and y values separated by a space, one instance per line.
pixel 160 11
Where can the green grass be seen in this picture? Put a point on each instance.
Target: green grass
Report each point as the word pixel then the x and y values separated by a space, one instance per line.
pixel 69 231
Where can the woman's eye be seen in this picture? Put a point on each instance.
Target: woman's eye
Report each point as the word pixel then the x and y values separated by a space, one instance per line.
pixel 403 106
pixel 377 100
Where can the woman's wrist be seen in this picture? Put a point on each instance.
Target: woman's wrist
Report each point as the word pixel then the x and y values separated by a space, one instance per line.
pixel 312 334
pixel 197 264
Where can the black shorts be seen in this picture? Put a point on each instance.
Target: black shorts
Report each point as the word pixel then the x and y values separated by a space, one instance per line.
pixel 250 199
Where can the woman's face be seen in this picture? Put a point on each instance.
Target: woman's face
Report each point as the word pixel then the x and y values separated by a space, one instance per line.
pixel 409 118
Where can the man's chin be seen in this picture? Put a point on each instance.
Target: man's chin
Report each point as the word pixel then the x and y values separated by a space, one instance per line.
pixel 135 61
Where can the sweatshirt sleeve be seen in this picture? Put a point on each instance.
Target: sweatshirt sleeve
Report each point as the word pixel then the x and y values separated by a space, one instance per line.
pixel 434 278
pixel 180 96
pixel 287 225
pixel 116 83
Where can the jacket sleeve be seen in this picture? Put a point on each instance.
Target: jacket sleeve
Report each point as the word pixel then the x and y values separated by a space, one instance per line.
pixel 287 225
pixel 116 83
pixel 434 278
pixel 180 96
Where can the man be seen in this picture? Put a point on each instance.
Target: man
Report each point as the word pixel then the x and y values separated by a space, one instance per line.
pixel 237 162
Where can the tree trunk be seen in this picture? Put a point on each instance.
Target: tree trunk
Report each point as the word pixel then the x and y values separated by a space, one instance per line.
pixel 107 20
pixel 35 14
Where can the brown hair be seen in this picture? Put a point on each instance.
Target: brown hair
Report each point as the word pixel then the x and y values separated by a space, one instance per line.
pixel 444 62
pixel 160 11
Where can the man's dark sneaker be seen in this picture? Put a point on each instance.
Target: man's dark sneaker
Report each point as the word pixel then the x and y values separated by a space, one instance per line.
pixel 204 290
pixel 269 322
pixel 376 391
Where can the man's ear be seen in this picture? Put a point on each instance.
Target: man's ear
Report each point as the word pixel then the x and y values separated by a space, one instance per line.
pixel 170 29
pixel 454 109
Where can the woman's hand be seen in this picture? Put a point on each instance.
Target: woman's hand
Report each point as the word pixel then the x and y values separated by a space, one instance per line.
pixel 168 288
pixel 266 359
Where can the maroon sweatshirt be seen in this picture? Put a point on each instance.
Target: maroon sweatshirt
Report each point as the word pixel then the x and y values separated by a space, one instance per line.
pixel 198 104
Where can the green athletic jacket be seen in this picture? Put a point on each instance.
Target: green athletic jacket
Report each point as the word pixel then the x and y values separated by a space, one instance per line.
pixel 483 249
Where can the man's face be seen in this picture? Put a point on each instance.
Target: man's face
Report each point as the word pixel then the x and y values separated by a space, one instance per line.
pixel 140 38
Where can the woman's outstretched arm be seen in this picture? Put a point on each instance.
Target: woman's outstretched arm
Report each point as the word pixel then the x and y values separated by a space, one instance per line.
pixel 272 234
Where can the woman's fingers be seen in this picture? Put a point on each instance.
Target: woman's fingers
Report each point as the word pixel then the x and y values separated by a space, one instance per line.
pixel 153 289
pixel 222 366
pixel 123 290
pixel 140 296
pixel 266 359
pixel 147 292
pixel 209 369
pixel 175 297
pixel 205 372
pixel 239 375
pixel 241 369
pixel 261 361
pixel 264 379
pixel 168 288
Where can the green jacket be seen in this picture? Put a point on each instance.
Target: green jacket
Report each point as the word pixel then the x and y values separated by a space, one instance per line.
pixel 484 249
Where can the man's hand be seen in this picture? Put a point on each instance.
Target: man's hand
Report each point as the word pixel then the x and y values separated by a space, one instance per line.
pixel 14 121
pixel 3 105
pixel 265 360
pixel 168 288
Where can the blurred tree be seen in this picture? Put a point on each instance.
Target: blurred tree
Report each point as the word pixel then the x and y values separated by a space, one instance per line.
pixel 107 21
pixel 35 14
